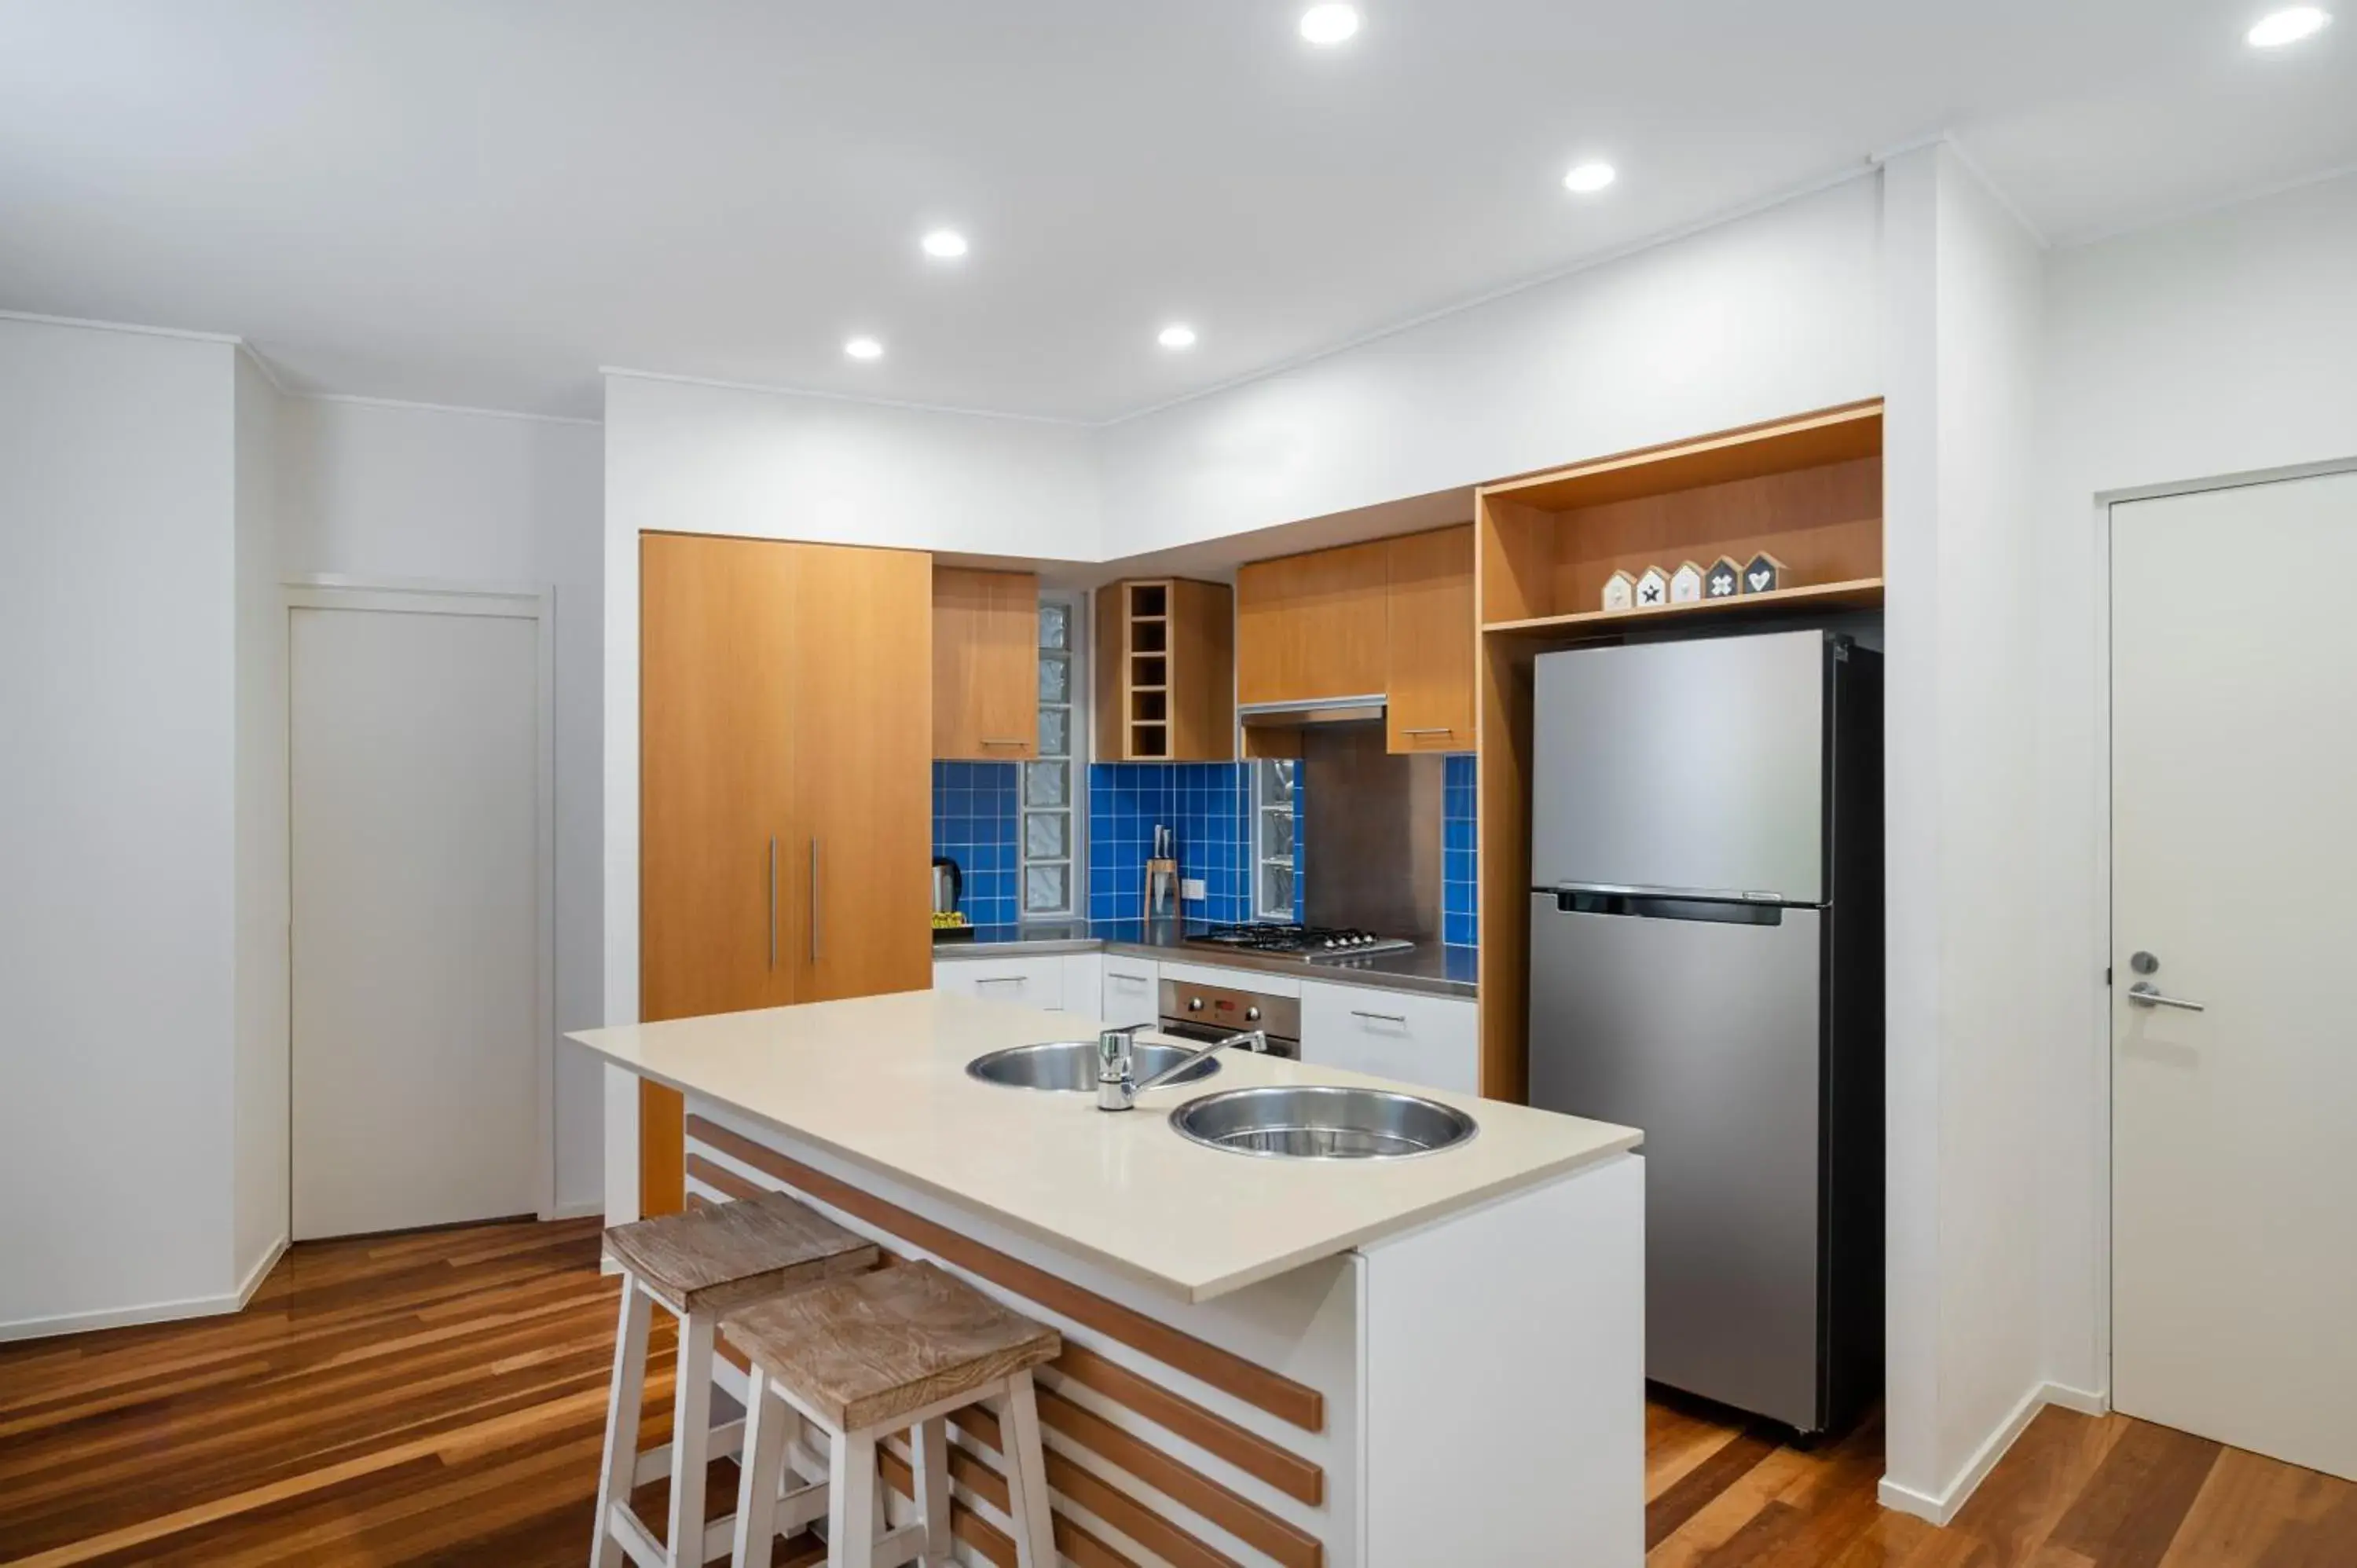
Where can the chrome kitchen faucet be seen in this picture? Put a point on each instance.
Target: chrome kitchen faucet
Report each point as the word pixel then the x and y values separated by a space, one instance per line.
pixel 1117 1085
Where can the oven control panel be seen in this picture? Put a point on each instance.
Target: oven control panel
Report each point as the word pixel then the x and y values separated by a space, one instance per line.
pixel 1208 1011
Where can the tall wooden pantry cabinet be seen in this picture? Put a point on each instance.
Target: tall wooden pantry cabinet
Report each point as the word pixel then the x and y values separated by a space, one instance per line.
pixel 785 804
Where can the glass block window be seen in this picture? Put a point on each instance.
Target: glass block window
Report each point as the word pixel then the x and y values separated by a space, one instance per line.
pixel 1050 836
pixel 1274 867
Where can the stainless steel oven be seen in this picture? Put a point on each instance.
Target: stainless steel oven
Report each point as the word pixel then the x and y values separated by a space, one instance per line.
pixel 1207 1013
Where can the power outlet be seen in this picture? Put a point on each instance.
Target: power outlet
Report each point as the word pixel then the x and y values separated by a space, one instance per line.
pixel 1192 890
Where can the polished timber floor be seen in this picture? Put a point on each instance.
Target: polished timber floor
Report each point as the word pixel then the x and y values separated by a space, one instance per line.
pixel 439 1398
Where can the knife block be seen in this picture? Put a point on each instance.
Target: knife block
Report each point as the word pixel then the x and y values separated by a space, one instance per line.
pixel 1161 875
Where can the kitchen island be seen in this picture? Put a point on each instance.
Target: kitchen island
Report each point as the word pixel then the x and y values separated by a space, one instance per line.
pixel 1392 1363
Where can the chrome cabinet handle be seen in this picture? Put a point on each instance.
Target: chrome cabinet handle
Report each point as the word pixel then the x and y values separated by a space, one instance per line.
pixel 2145 993
pixel 1008 979
pixel 814 901
pixel 1434 729
pixel 1136 982
pixel 986 741
pixel 1399 1018
pixel 773 903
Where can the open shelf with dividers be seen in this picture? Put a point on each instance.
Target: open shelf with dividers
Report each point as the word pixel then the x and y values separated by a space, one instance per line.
pixel 1165 672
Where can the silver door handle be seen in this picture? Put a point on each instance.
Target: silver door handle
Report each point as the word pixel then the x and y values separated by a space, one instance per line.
pixel 1009 979
pixel 814 901
pixel 989 741
pixel 1137 979
pixel 773 903
pixel 2143 993
pixel 1399 1018
pixel 1434 729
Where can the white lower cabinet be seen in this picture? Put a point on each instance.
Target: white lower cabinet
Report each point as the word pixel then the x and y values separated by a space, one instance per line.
pixel 1084 982
pixel 1036 982
pixel 1431 1041
pixel 1133 991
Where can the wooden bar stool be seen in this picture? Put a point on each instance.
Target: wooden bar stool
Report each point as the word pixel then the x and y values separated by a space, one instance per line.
pixel 865 1357
pixel 698 1265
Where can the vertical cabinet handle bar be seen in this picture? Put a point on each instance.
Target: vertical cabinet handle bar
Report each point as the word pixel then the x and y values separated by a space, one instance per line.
pixel 815 902
pixel 773 903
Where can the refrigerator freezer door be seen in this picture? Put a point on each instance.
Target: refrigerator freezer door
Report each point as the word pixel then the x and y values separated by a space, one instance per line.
pixel 1704 1034
pixel 1686 765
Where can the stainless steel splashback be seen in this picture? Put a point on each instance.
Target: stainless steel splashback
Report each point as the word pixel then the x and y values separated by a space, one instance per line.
pixel 1371 833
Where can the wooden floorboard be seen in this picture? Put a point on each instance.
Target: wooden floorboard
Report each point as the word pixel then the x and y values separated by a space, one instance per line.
pixel 439 1398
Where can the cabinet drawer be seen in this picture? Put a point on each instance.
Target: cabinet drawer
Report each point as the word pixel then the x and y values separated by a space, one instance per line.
pixel 1034 982
pixel 1132 991
pixel 1429 1041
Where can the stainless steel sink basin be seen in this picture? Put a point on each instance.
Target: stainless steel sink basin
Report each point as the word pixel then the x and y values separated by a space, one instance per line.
pixel 1071 1065
pixel 1321 1123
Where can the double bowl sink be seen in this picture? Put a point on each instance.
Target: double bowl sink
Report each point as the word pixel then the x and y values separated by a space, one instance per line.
pixel 1302 1122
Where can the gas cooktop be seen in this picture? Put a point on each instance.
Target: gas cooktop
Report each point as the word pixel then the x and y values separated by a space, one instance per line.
pixel 1302 941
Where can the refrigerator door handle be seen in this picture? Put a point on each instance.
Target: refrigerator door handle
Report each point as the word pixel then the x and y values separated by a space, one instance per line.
pixel 1685 895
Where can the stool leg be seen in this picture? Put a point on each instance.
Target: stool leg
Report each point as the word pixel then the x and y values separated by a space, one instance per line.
pixel 932 1446
pixel 766 1420
pixel 622 1421
pixel 691 1441
pixel 1027 1478
pixel 851 1502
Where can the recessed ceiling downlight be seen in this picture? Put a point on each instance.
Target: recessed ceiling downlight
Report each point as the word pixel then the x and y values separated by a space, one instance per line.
pixel 1329 24
pixel 944 244
pixel 863 348
pixel 1178 335
pixel 2281 27
pixel 1586 179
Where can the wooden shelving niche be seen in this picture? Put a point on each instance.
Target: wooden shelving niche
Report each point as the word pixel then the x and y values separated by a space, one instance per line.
pixel 1807 490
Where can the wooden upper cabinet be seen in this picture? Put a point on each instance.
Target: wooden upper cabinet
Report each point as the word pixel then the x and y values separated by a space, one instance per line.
pixel 1165 672
pixel 1432 642
pixel 1314 626
pixel 985 664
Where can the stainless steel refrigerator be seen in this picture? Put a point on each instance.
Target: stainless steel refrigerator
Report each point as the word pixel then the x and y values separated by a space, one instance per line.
pixel 1707 964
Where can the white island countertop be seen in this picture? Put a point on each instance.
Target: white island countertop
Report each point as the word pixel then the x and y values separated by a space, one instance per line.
pixel 881 1080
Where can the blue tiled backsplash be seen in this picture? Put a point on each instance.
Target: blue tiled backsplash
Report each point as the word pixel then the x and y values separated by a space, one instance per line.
pixel 976 816
pixel 974 824
pixel 1207 804
pixel 1459 906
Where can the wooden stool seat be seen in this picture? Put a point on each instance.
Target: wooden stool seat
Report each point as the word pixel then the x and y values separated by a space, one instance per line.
pixel 708 1259
pixel 858 1352
pixel 695 1266
pixel 867 1355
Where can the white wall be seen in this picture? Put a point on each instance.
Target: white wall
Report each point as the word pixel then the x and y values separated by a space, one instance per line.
pixel 262 1066
pixel 395 491
pixel 2225 344
pixel 1964 323
pixel 767 464
pixel 1772 315
pixel 117 882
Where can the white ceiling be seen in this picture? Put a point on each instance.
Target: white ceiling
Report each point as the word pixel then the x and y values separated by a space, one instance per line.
pixel 482 202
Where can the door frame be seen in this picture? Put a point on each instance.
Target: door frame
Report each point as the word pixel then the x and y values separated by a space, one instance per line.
pixel 2105 1174
pixel 535 601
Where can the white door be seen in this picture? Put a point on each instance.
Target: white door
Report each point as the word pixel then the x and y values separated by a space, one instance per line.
pixel 2234 1127
pixel 414 757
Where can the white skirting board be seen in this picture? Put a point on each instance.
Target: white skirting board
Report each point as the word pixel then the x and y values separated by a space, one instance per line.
pixel 150 1311
pixel 1944 1507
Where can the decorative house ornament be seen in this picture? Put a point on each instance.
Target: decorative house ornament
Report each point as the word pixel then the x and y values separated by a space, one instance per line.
pixel 1652 589
pixel 1764 575
pixel 1724 580
pixel 1619 591
pixel 1686 584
